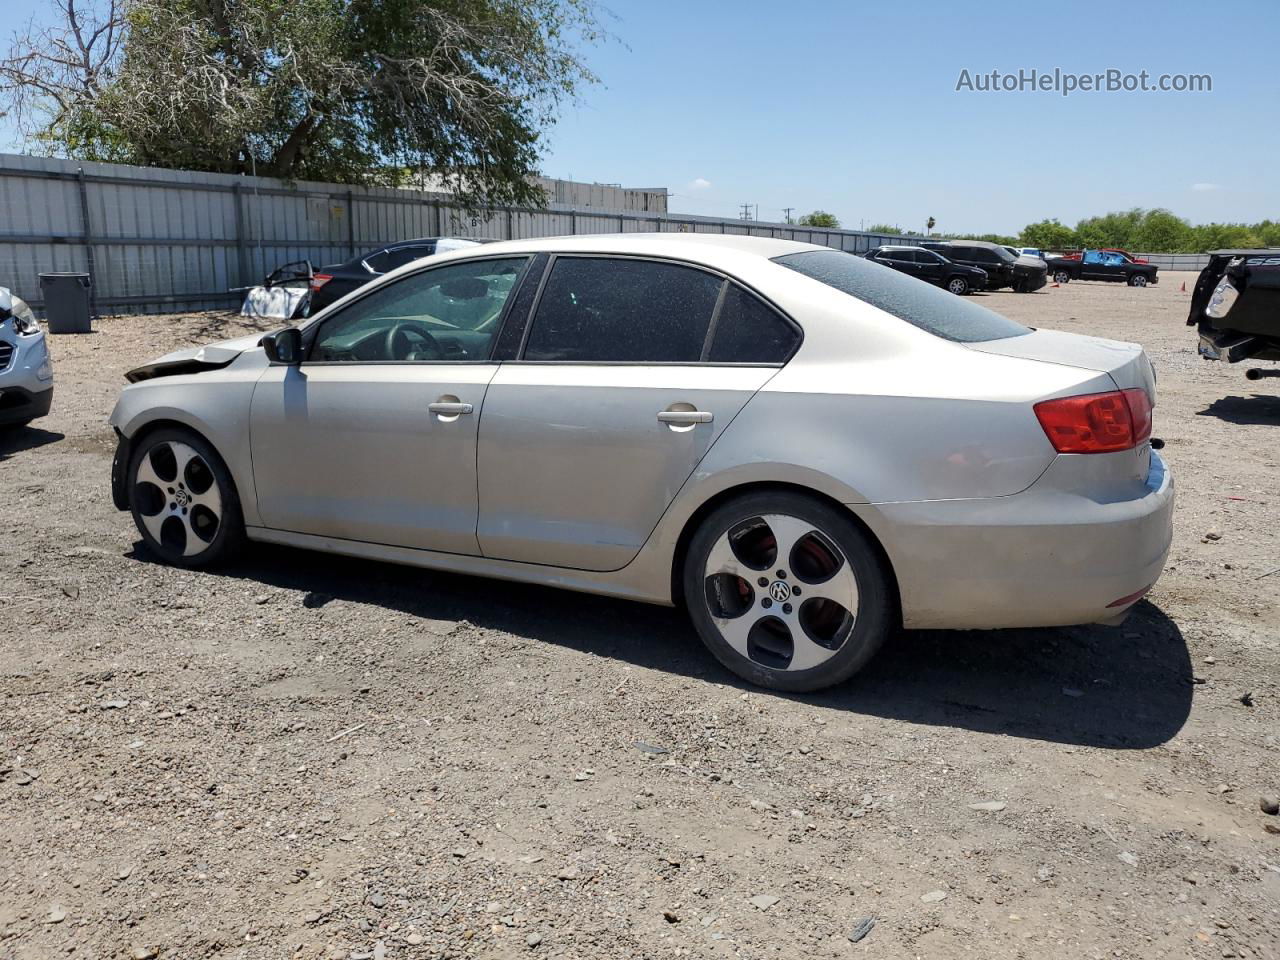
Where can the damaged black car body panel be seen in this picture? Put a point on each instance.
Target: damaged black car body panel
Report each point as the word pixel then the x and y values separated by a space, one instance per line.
pixel 1236 306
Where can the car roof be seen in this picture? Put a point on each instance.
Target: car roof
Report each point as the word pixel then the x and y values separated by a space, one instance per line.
pixel 972 243
pixel 694 246
pixel 901 246
pixel 420 240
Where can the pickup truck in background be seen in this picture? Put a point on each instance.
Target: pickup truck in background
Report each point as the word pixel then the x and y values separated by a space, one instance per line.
pixel 1108 265
pixel 1076 254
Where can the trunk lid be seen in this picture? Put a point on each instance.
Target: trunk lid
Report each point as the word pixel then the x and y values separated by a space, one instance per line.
pixel 1103 477
pixel 1125 363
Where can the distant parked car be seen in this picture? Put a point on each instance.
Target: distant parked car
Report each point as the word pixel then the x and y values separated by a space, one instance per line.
pixel 26 373
pixel 332 283
pixel 1110 265
pixel 1022 274
pixel 1031 252
pixel 931 266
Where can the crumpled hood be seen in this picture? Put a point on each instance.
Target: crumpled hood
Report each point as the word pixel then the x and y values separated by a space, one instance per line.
pixel 211 356
pixel 220 353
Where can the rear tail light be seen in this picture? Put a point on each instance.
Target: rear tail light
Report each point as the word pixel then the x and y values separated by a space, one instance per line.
pixel 319 280
pixel 1097 422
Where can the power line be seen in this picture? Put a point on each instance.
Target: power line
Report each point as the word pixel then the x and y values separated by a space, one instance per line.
pixel 786 214
pixel 746 211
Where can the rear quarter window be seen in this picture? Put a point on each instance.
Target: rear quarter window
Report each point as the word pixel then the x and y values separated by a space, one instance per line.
pixel 918 303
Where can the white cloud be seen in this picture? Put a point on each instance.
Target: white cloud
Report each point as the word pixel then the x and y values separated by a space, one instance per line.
pixel 700 183
pixel 1203 187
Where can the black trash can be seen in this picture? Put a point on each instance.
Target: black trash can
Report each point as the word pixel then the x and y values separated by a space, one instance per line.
pixel 66 301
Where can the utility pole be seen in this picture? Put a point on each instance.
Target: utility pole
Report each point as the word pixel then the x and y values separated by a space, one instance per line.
pixel 786 214
pixel 746 211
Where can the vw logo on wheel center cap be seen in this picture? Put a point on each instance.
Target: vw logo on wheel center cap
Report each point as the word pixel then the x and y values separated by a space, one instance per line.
pixel 779 591
pixel 182 497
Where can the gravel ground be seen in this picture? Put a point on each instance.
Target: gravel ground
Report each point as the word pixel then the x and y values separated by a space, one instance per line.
pixel 307 756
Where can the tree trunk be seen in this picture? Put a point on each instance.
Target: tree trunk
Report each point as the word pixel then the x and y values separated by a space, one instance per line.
pixel 290 152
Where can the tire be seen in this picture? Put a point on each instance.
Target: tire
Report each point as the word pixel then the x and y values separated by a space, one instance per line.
pixel 958 285
pixel 752 627
pixel 183 500
pixel 1061 276
pixel 1138 280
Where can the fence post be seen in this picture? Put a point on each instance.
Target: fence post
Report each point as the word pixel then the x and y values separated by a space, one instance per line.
pixel 351 223
pixel 88 241
pixel 573 223
pixel 242 251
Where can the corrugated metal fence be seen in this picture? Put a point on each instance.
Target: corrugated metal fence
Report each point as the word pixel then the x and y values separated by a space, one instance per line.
pixel 1177 261
pixel 164 240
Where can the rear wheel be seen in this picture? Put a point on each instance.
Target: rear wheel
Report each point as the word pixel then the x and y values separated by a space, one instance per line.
pixel 1061 276
pixel 1138 280
pixel 182 499
pixel 958 285
pixel 786 591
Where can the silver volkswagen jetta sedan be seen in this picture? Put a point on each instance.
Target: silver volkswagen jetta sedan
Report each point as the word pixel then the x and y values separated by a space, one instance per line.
pixel 806 448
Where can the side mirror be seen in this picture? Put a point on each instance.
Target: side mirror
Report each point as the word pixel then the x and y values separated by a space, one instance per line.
pixel 284 346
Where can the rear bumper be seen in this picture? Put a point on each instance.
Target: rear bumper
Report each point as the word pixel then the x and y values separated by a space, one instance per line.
pixel 1044 557
pixel 18 405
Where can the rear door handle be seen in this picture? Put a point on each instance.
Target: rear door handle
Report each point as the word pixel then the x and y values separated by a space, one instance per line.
pixel 447 409
pixel 684 416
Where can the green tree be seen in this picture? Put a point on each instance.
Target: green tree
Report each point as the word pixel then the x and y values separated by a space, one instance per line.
pixel 343 90
pixel 819 218
pixel 1048 235
pixel 1159 231
pixel 890 229
pixel 1110 230
pixel 929 225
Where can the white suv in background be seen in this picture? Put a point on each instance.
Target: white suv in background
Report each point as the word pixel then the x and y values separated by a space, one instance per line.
pixel 26 371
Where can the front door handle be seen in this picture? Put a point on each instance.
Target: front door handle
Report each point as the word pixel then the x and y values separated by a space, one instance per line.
pixel 684 417
pixel 449 409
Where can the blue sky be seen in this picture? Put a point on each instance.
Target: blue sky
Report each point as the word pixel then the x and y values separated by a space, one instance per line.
pixel 851 107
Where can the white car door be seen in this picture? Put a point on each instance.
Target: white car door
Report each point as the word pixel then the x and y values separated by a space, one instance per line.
pixel 630 370
pixel 373 436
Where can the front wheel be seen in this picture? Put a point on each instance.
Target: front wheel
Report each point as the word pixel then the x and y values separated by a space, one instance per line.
pixel 958 285
pixel 1061 276
pixel 786 591
pixel 182 499
pixel 1138 280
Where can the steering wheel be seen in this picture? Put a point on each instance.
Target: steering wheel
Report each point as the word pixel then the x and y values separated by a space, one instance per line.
pixel 398 346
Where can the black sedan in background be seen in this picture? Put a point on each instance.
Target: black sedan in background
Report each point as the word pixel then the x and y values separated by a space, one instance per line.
pixel 933 267
pixel 337 280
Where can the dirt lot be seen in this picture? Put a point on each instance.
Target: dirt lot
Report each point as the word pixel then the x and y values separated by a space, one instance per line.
pixel 306 756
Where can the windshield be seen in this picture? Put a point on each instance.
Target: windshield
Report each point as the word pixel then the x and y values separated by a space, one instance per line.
pixel 920 304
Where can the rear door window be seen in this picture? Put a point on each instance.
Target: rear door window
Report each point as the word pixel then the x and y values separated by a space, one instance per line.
pixel 919 304
pixel 619 310
pixel 748 330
